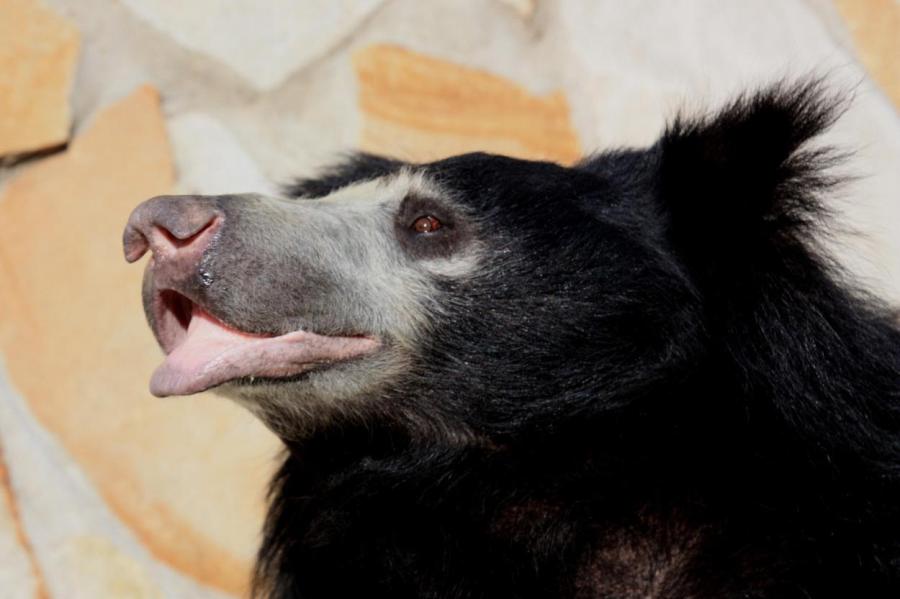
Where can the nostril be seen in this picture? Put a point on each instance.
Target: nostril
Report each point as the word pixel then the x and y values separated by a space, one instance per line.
pixel 170 226
pixel 182 238
pixel 169 241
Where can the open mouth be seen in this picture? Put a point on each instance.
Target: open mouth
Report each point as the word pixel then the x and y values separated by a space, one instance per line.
pixel 202 352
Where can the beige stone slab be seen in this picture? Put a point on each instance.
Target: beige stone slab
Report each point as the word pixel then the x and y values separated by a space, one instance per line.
pixel 262 41
pixel 422 108
pixel 186 475
pixel 80 547
pixel 211 160
pixel 19 575
pixel 875 27
pixel 38 50
pixel 104 571
pixel 525 8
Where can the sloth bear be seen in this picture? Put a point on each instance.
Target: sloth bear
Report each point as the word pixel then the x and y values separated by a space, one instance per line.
pixel 638 376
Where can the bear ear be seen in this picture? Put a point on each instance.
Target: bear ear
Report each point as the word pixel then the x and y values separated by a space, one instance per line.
pixel 746 179
pixel 354 168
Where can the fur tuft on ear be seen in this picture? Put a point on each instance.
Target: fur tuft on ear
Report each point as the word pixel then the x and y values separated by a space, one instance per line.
pixel 741 199
pixel 745 178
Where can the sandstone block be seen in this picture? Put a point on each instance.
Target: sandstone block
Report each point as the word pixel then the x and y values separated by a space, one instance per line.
pixel 186 476
pixel 264 42
pixel 38 50
pixel 422 108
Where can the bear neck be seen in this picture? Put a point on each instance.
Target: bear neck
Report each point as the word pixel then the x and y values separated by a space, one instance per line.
pixel 771 460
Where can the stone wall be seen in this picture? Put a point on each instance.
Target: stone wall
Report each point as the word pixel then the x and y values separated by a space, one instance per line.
pixel 108 492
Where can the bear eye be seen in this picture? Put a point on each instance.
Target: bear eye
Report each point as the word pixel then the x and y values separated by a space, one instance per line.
pixel 426 224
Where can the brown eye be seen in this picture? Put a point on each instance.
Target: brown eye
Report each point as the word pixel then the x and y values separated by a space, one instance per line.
pixel 426 224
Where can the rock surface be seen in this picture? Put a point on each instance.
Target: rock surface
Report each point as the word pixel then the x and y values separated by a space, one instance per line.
pixel 38 50
pixel 875 26
pixel 211 160
pixel 18 575
pixel 284 36
pixel 524 7
pixel 423 108
pixel 71 308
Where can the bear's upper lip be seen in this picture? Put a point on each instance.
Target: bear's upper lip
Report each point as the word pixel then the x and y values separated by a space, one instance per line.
pixel 203 352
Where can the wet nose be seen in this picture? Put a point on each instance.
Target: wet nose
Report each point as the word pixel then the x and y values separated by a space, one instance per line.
pixel 170 226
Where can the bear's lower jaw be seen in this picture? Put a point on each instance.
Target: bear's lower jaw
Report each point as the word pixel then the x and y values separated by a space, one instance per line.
pixel 202 353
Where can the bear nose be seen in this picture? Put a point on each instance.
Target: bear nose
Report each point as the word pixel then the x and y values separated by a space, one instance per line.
pixel 171 226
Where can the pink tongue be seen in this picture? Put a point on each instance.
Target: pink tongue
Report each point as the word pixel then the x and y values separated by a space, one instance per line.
pixel 212 354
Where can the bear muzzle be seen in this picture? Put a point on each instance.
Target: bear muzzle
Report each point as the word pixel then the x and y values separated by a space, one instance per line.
pixel 203 351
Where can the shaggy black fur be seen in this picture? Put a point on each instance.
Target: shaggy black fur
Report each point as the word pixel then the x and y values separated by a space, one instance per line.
pixel 659 387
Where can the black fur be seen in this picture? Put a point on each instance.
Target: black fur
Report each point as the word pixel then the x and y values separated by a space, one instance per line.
pixel 660 388
pixel 355 168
